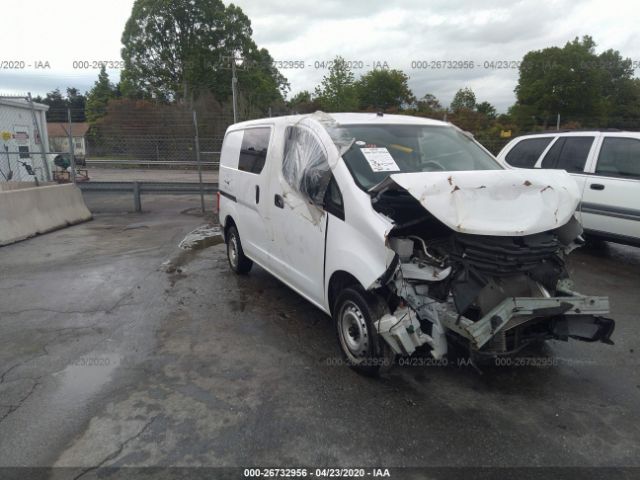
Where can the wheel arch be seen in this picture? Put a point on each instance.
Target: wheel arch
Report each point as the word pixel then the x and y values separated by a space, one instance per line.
pixel 339 280
pixel 228 223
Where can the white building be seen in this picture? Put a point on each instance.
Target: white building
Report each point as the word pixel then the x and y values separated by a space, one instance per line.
pixel 23 139
pixel 59 138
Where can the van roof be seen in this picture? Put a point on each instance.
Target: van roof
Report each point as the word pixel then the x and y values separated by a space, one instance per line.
pixel 350 119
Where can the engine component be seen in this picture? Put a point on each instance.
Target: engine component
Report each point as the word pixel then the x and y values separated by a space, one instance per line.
pixel 424 272
pixel 499 293
pixel 402 331
pixel 403 247
pixel 506 255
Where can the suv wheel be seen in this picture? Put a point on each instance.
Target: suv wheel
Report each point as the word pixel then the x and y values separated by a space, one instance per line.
pixel 238 262
pixel 363 349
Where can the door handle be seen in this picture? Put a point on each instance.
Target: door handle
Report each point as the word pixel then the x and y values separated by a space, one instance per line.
pixel 257 194
pixel 596 186
pixel 278 201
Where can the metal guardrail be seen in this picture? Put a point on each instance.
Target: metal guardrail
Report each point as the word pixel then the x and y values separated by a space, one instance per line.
pixel 172 163
pixel 156 188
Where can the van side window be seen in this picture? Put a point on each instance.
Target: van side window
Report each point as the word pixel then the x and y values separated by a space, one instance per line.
pixel 619 157
pixel 305 166
pixel 333 199
pixel 230 153
pixel 569 153
pixel 527 152
pixel 253 152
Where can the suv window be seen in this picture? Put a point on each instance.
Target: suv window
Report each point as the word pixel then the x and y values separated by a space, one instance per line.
pixel 253 151
pixel 619 157
pixel 527 152
pixel 568 153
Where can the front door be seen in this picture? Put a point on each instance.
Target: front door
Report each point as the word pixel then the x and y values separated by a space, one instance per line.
pixel 298 220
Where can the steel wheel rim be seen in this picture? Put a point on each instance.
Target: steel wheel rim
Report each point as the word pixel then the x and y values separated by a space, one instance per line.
pixel 353 330
pixel 233 251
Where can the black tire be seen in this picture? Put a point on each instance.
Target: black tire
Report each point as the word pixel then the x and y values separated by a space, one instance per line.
pixel 238 262
pixel 362 348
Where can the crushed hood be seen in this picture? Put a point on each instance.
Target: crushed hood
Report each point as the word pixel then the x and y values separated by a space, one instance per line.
pixel 492 202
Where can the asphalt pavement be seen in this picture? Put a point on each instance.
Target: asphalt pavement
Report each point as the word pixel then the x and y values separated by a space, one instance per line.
pixel 118 349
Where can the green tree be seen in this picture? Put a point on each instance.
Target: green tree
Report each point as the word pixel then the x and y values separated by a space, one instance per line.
pixel 463 99
pixel 57 106
pixel 59 103
pixel 301 97
pixel 176 49
pixel 620 91
pixel 260 84
pixel 77 103
pixel 337 90
pixel 303 102
pixel 429 105
pixel 98 97
pixel 386 90
pixel 586 88
pixel 487 110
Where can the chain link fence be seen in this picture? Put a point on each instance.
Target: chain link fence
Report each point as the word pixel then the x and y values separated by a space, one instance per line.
pixel 157 134
pixel 140 141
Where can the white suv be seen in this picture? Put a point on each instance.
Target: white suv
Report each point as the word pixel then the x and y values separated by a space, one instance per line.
pixel 606 167
pixel 407 232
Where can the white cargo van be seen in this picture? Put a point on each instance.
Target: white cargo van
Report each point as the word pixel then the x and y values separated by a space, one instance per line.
pixel 407 232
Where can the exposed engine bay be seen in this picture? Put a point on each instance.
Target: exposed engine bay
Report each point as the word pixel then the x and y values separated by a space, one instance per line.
pixel 493 293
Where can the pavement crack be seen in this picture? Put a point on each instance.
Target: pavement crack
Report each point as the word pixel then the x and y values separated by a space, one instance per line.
pixel 13 408
pixel 4 374
pixel 119 450
pixel 64 329
pixel 107 310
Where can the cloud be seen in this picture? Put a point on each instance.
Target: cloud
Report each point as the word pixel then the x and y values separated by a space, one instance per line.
pixel 395 32
pixel 402 32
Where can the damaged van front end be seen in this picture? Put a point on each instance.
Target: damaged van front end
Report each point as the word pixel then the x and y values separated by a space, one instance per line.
pixel 479 257
pixel 408 233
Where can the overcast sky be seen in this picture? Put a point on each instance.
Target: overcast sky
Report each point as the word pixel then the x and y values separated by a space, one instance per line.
pixel 396 32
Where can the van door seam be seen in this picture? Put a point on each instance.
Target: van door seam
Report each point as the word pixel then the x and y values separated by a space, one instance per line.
pixel 324 260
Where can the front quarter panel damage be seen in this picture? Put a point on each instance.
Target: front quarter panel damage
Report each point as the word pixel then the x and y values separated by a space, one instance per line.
pixel 486 264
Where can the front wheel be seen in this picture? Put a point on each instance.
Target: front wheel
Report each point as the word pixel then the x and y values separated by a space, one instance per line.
pixel 363 349
pixel 238 262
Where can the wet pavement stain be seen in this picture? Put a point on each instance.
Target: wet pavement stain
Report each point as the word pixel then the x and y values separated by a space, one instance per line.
pixel 85 377
pixel 202 237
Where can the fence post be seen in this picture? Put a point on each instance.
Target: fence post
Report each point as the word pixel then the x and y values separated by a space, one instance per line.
pixel 72 157
pixel 195 125
pixel 137 203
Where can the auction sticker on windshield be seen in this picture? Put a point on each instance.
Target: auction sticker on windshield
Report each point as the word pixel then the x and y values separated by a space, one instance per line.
pixel 380 160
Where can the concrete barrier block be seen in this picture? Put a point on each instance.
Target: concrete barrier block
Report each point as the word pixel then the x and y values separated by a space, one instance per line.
pixel 25 212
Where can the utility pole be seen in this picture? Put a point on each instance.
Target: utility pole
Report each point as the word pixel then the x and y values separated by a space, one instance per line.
pixel 195 126
pixel 72 158
pixel 234 79
pixel 234 82
pixel 36 124
pixel 558 122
